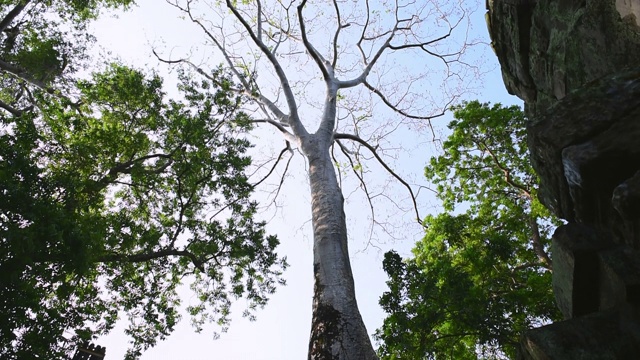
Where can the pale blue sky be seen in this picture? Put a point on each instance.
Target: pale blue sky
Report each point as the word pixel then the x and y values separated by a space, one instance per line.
pixel 281 331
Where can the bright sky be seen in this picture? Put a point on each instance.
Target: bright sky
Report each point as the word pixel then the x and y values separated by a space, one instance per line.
pixel 282 329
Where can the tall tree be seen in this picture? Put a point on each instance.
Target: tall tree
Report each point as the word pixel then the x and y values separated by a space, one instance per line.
pixel 316 71
pixel 481 277
pixel 112 200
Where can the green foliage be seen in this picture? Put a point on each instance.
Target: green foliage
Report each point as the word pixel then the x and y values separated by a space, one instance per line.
pixel 110 202
pixel 477 278
pixel 486 141
pixel 112 195
pixel 42 43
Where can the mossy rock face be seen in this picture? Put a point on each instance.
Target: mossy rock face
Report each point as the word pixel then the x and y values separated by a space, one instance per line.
pixel 549 48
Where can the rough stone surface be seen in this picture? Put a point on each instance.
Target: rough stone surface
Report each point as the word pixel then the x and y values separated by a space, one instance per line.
pixel 605 335
pixel 629 9
pixel 576 64
pixel 576 269
pixel 586 145
pixel 548 48
pixel 626 202
pixel 619 274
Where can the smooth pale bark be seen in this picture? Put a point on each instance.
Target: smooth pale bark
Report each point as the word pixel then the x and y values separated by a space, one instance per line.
pixel 338 331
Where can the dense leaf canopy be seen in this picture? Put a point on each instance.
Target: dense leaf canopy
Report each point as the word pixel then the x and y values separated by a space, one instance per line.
pixel 482 276
pixel 113 195
pixel 112 200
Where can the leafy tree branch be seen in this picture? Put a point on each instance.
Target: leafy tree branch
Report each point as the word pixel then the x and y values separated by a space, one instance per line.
pixel 108 205
pixel 481 276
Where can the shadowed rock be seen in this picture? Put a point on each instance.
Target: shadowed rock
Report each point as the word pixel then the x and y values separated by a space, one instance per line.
pixel 575 64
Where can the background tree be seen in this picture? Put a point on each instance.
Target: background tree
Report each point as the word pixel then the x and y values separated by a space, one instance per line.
pixel 314 71
pixel 482 276
pixel 113 200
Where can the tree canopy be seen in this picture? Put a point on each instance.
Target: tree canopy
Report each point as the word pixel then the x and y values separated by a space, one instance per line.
pixel 113 200
pixel 481 276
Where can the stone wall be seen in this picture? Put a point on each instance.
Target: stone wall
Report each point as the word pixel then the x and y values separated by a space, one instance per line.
pixel 576 64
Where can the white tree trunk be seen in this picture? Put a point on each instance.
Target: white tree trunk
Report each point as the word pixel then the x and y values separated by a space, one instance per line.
pixel 338 331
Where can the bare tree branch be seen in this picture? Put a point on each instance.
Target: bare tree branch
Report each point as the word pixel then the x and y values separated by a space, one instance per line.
pixel 11 15
pixel 334 61
pixel 259 19
pixel 294 118
pixel 248 90
pixel 284 173
pixel 363 184
pixel 282 152
pixel 536 243
pixel 23 75
pixel 361 79
pixel 404 113
pixel 264 178
pixel 315 55
pixel 386 167
pixel 278 126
